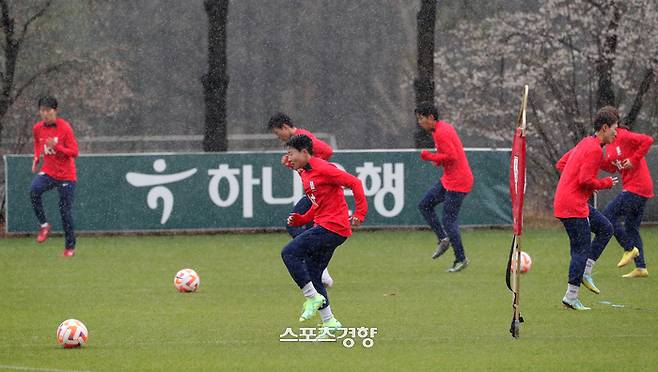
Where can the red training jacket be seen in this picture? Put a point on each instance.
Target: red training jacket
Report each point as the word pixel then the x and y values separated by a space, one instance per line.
pixel 58 162
pixel 320 148
pixel 578 181
pixel 323 185
pixel 457 175
pixel 632 146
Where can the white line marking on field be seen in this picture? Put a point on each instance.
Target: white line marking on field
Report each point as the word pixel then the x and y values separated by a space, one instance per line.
pixel 22 368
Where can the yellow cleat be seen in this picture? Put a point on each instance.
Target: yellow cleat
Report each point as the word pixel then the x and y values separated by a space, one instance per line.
pixel 637 273
pixel 628 256
pixel 588 282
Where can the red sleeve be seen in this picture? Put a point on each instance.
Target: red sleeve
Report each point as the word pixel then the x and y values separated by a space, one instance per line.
pixel 440 158
pixel 345 179
pixel 69 145
pixel 432 156
pixel 563 161
pixel 37 147
pixel 310 214
pixel 448 149
pixel 321 149
pixel 608 166
pixel 588 172
pixel 302 219
pixel 641 143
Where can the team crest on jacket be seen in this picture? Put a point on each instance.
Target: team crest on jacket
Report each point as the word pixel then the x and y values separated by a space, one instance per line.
pixel 310 195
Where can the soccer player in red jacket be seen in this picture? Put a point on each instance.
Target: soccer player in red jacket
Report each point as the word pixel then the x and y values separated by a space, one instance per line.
pixel 284 128
pixel 578 182
pixel 309 253
pixel 456 183
pixel 55 142
pixel 627 155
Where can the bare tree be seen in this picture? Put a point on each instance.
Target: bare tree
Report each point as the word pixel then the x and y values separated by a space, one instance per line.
pixel 15 34
pixel 424 82
pixel 576 55
pixel 35 60
pixel 215 82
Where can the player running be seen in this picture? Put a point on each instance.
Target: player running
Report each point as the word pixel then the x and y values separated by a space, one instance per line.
pixel 454 186
pixel 309 253
pixel 627 155
pixel 55 141
pixel 579 168
pixel 283 128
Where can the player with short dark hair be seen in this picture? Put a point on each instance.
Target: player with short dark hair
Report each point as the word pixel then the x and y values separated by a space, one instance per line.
pixel 55 141
pixel 578 180
pixel 627 155
pixel 309 253
pixel 454 186
pixel 284 128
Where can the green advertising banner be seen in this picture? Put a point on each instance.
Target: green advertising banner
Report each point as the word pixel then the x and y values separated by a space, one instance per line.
pixel 223 191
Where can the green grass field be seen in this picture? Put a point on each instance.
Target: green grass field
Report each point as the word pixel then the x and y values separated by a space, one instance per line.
pixel 427 319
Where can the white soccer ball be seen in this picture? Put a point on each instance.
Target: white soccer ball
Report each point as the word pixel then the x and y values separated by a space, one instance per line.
pixel 186 280
pixel 526 263
pixel 72 333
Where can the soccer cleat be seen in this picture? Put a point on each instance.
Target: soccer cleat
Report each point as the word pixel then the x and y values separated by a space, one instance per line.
pixel 459 266
pixel 43 233
pixel 574 304
pixel 628 256
pixel 441 248
pixel 311 306
pixel 328 328
pixel 68 252
pixel 637 273
pixel 588 282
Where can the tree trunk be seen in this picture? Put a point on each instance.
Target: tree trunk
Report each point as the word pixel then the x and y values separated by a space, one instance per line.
pixel 648 79
pixel 606 61
pixel 11 55
pixel 424 82
pixel 215 82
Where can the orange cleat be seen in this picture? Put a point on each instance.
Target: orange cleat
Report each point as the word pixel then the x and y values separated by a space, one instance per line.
pixel 43 233
pixel 68 252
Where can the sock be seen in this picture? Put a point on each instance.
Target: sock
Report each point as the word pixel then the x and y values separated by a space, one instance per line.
pixel 309 290
pixel 572 292
pixel 589 265
pixel 327 280
pixel 326 314
pixel 45 224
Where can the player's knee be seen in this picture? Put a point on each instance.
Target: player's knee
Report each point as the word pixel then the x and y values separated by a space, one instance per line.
pixel 34 194
pixel 448 222
pixel 288 251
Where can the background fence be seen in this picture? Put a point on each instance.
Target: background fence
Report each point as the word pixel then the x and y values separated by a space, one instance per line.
pixel 242 190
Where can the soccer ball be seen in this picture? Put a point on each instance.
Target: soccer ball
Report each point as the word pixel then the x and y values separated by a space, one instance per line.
pixel 526 263
pixel 186 280
pixel 72 333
